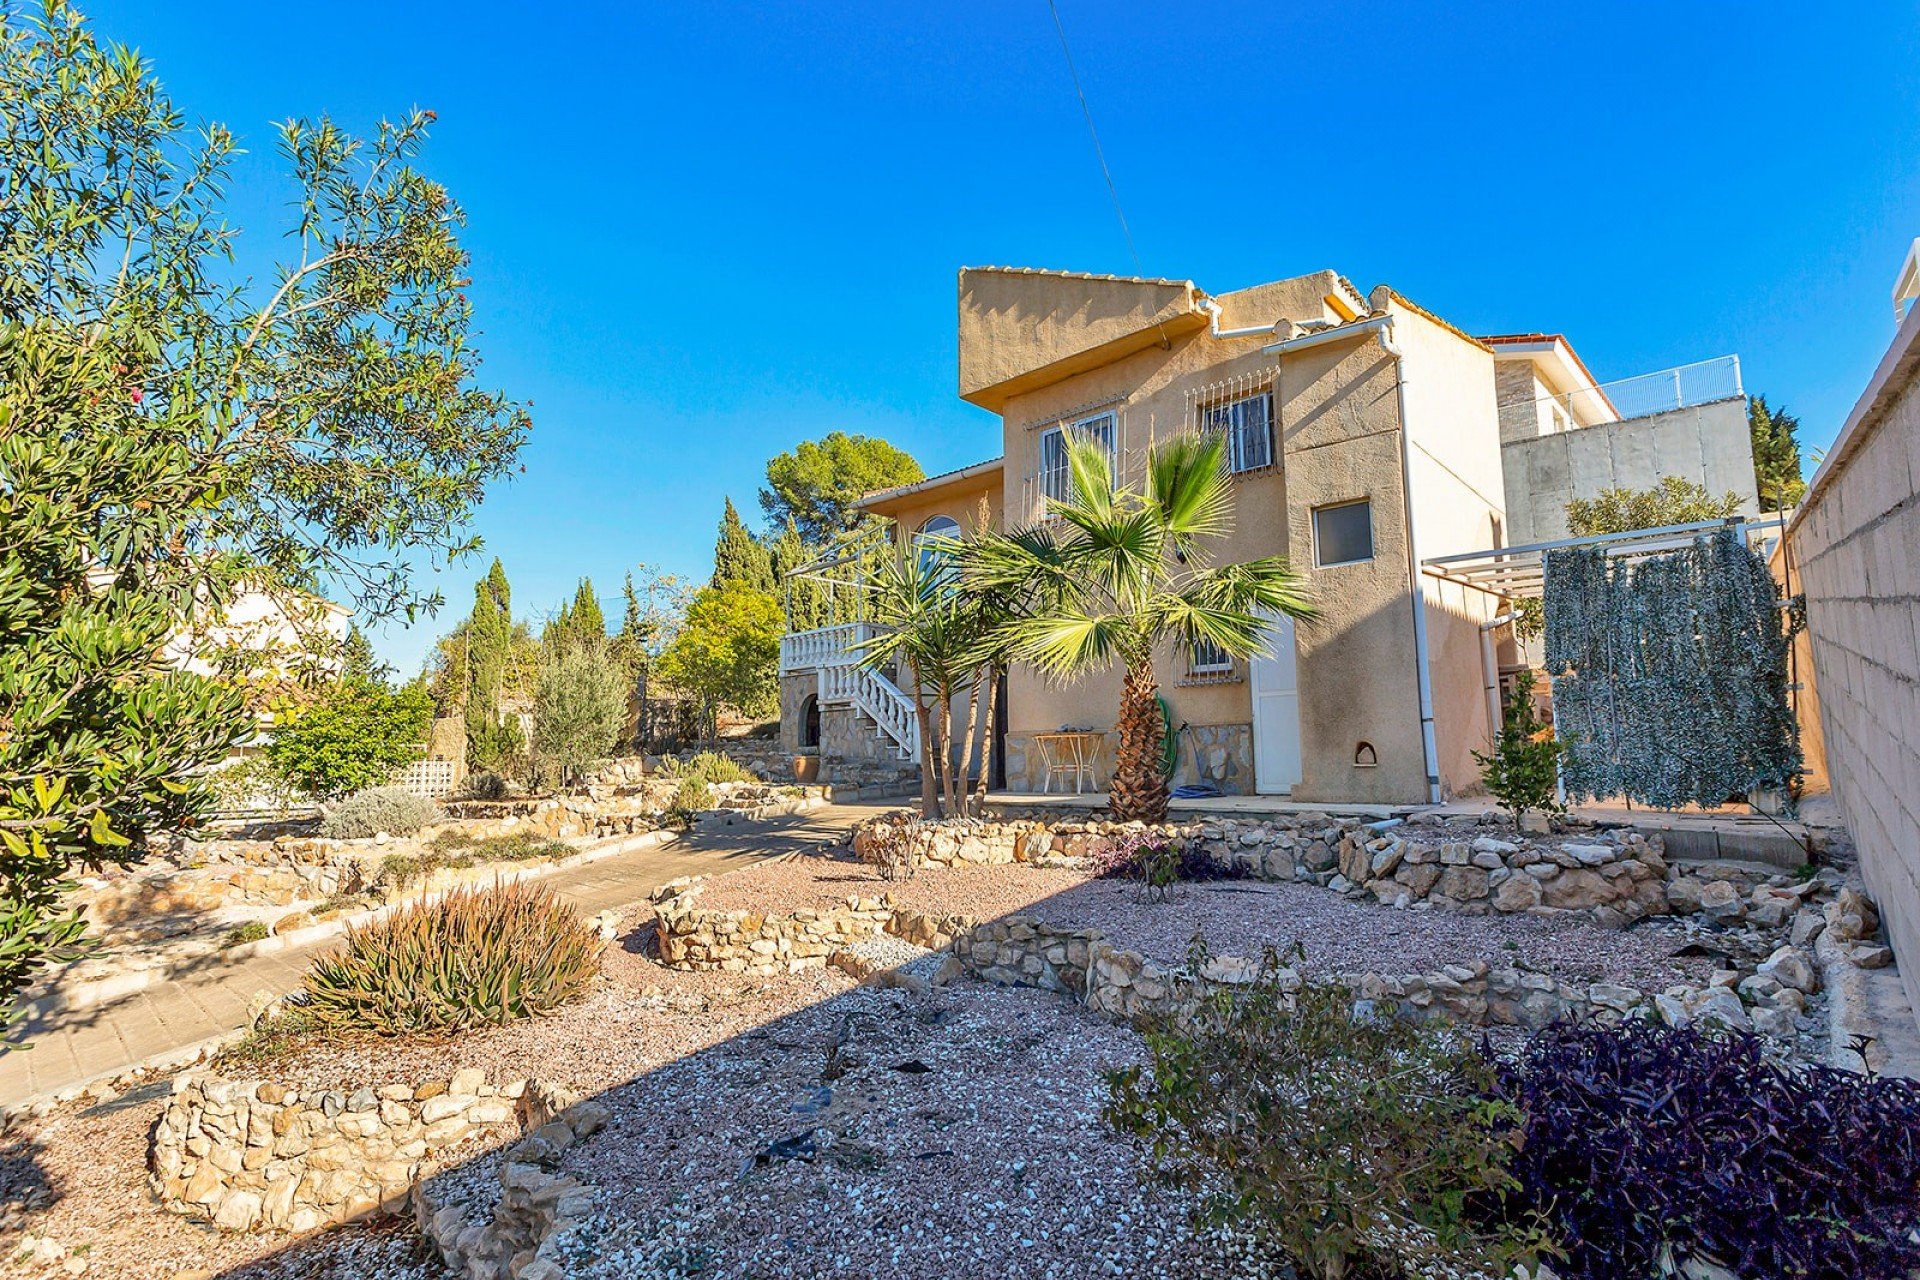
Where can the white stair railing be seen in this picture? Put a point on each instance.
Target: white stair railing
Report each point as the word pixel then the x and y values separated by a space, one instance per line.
pixel 879 698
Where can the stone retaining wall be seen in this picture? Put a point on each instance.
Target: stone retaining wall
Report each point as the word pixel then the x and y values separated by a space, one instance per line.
pixel 1126 986
pixel 513 1234
pixel 257 1155
pixel 691 937
pixel 1613 877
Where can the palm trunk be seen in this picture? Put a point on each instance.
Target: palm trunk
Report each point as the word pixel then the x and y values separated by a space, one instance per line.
pixel 949 791
pixel 969 755
pixel 986 740
pixel 929 792
pixel 1138 792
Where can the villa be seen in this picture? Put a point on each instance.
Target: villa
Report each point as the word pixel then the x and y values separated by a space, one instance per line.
pixel 1367 437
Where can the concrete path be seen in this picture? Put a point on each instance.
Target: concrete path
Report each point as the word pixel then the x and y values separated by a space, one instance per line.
pixel 177 1018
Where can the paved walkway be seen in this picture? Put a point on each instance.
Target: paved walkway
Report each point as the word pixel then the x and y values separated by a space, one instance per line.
pixel 177 1017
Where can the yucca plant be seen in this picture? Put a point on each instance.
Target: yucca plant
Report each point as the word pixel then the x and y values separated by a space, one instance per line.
pixel 1117 575
pixel 482 955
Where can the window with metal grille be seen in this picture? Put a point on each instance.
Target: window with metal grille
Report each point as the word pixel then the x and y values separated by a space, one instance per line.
pixel 1248 424
pixel 1208 658
pixel 1056 476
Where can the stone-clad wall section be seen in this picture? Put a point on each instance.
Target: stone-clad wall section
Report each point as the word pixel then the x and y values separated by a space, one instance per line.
pixel 1126 986
pixel 256 1155
pixel 1855 548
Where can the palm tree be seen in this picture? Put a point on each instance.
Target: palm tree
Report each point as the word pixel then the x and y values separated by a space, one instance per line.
pixel 1123 574
pixel 926 623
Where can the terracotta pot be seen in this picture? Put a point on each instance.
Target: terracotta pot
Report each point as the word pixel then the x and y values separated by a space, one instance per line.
pixel 806 770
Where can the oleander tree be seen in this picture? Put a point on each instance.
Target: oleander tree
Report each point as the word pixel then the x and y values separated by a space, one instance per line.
pixel 172 430
pixel 1116 576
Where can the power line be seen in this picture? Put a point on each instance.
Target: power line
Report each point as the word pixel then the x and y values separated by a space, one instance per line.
pixel 1099 153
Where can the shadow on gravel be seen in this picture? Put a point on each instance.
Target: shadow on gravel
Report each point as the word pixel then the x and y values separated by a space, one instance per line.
pixel 906 1128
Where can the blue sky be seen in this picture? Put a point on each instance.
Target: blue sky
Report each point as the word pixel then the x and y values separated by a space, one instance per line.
pixel 702 232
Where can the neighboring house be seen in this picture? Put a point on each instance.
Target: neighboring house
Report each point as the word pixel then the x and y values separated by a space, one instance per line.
pixel 1564 436
pixel 1365 433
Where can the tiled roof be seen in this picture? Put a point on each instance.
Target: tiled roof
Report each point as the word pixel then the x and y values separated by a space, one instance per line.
pixel 1450 327
pixel 930 482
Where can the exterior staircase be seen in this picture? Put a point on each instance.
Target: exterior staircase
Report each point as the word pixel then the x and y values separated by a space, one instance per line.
pixel 833 655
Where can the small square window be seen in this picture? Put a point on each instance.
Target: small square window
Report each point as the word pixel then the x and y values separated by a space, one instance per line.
pixel 1343 534
pixel 1208 658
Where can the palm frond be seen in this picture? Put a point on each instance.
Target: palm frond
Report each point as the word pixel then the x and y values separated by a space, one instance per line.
pixel 1187 483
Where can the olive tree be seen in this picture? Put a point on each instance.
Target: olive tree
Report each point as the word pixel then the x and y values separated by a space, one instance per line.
pixel 171 430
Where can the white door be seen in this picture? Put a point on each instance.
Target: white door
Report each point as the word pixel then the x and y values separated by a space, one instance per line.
pixel 1276 712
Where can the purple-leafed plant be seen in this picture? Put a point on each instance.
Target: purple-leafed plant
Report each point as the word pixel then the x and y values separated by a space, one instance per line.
pixel 1647 1146
pixel 1156 858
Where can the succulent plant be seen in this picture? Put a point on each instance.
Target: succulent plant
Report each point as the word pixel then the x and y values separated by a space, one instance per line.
pixel 483 955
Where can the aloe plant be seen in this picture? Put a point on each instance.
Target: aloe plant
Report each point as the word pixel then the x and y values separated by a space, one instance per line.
pixel 484 955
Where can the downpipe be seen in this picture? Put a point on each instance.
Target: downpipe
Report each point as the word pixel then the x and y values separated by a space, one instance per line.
pixel 1428 741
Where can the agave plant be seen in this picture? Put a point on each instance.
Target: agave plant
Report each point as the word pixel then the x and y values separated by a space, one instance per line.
pixel 482 955
pixel 1116 576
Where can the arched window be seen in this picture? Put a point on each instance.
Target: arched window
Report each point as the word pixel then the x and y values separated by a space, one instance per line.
pixel 810 722
pixel 930 541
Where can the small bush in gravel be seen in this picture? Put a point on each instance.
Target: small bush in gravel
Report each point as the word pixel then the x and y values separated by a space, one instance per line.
pixel 1157 860
pixel 241 934
pixel 485 955
pixel 890 846
pixel 1649 1147
pixel 1357 1147
pixel 486 785
pixel 708 767
pixel 368 813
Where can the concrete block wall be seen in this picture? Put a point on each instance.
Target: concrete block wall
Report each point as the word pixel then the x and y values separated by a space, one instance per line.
pixel 1856 552
pixel 1708 444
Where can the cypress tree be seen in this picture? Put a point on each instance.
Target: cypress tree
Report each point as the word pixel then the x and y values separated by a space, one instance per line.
pixel 490 740
pixel 1776 455
pixel 738 556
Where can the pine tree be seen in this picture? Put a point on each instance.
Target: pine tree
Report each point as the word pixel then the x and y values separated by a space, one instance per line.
pixel 740 557
pixel 1776 455
pixel 1524 770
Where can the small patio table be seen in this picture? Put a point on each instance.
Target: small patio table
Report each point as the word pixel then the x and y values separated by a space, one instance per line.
pixel 1075 752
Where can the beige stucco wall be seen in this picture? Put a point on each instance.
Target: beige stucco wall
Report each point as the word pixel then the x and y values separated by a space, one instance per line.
pixel 1149 393
pixel 1459 505
pixel 1856 550
pixel 1014 324
pixel 1708 444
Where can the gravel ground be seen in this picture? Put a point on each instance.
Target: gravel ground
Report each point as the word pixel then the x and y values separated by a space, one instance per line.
pixel 1237 917
pixel 880 1134
pixel 799 1125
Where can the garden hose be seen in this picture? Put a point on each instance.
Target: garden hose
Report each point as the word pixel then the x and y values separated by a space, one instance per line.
pixel 1169 740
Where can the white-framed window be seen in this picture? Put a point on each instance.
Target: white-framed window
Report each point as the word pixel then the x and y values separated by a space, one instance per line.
pixel 1248 424
pixel 1343 533
pixel 1207 658
pixel 931 539
pixel 1056 476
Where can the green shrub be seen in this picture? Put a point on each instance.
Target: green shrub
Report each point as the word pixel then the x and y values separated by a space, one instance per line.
pixel 690 799
pixel 1524 770
pixel 1354 1146
pixel 486 785
pixel 477 956
pixel 368 813
pixel 241 934
pixel 709 767
pixel 452 850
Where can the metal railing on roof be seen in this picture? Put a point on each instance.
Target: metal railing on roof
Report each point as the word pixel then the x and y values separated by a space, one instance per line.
pixel 1645 394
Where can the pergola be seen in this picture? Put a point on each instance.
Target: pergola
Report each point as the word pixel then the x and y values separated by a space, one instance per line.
pixel 1519 572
